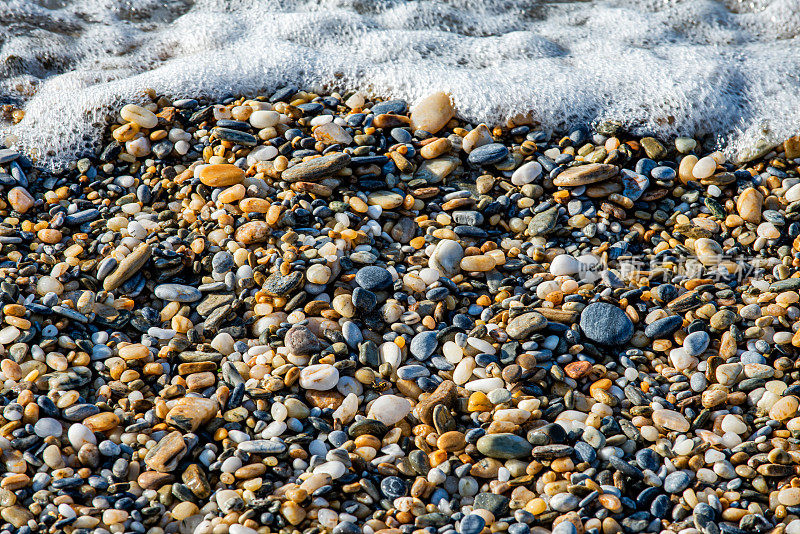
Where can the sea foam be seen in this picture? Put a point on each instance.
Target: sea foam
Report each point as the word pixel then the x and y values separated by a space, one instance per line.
pixel 730 69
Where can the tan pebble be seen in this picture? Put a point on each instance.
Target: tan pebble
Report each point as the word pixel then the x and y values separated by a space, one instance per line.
pixel 331 133
pixel 184 510
pixel 451 441
pixel 685 168
pixel 20 199
pixel 789 496
pixel 432 113
pixel 232 194
pixel 749 205
pixel 134 351
pixel 15 481
pixel 671 420
pixel 11 369
pixel 138 115
pixel 480 263
pixel 785 408
pixel 101 422
pixel 477 137
pixel 255 205
pixel 49 236
pixel 253 232
pixel 385 199
pixel 358 205
pixel 293 513
pixel 112 517
pixel 585 174
pixel 221 175
pixel 16 515
pixel 708 251
pixel 435 148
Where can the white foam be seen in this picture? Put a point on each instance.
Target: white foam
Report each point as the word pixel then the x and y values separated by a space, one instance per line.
pixel 665 67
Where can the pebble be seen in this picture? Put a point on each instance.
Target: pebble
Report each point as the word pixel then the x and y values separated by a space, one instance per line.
pixel 177 293
pixel 423 345
pixel 526 324
pixel 432 113
pixel 446 257
pixel 221 175
pixel 676 482
pixel 504 446
pixel 373 278
pixel 606 324
pixel 527 173
pixel 316 168
pixel 696 343
pixel 319 377
pixel 486 154
pixel 585 175
pixel 389 409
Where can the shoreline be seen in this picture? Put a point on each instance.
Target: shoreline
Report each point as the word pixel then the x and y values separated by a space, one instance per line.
pixel 302 312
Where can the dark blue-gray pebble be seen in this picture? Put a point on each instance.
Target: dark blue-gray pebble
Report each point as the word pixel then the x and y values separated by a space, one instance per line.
pixel 677 482
pixel 373 277
pixel 486 154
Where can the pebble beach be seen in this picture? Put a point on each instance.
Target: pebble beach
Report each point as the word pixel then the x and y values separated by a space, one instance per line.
pixel 307 313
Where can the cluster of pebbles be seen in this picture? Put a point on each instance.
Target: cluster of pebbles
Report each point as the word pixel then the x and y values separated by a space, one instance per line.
pixel 305 313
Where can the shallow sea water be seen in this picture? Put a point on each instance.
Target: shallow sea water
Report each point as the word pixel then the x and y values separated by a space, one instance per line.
pixel 729 69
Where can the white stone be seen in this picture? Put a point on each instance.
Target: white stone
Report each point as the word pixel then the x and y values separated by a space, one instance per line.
pixel 390 353
pixel 264 118
pixel 706 475
pixel 319 377
pixel 481 345
pixel 704 168
pixel 334 469
pixel 732 423
pixel 274 429
pixel 793 527
pixel 564 264
pixel 452 352
pixel 79 434
pixel 731 440
pixel 356 100
pixel 139 115
pixel 485 385
pixel 768 230
pixel 347 410
pixel 231 464
pixel 332 133
pixel 463 371
pixel 547 287
pixel 389 409
pixel 446 257
pixel 261 153
pixel 527 173
pixel 327 518
pixel 681 360
pixel 241 529
pixel 793 195
pixel 9 334
pixel 223 342
pixel 47 426
pixel 318 274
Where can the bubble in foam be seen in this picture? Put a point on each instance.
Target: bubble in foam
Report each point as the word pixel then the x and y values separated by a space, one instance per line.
pixel 661 67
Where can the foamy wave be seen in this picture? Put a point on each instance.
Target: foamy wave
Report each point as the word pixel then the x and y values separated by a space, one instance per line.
pixel 692 67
